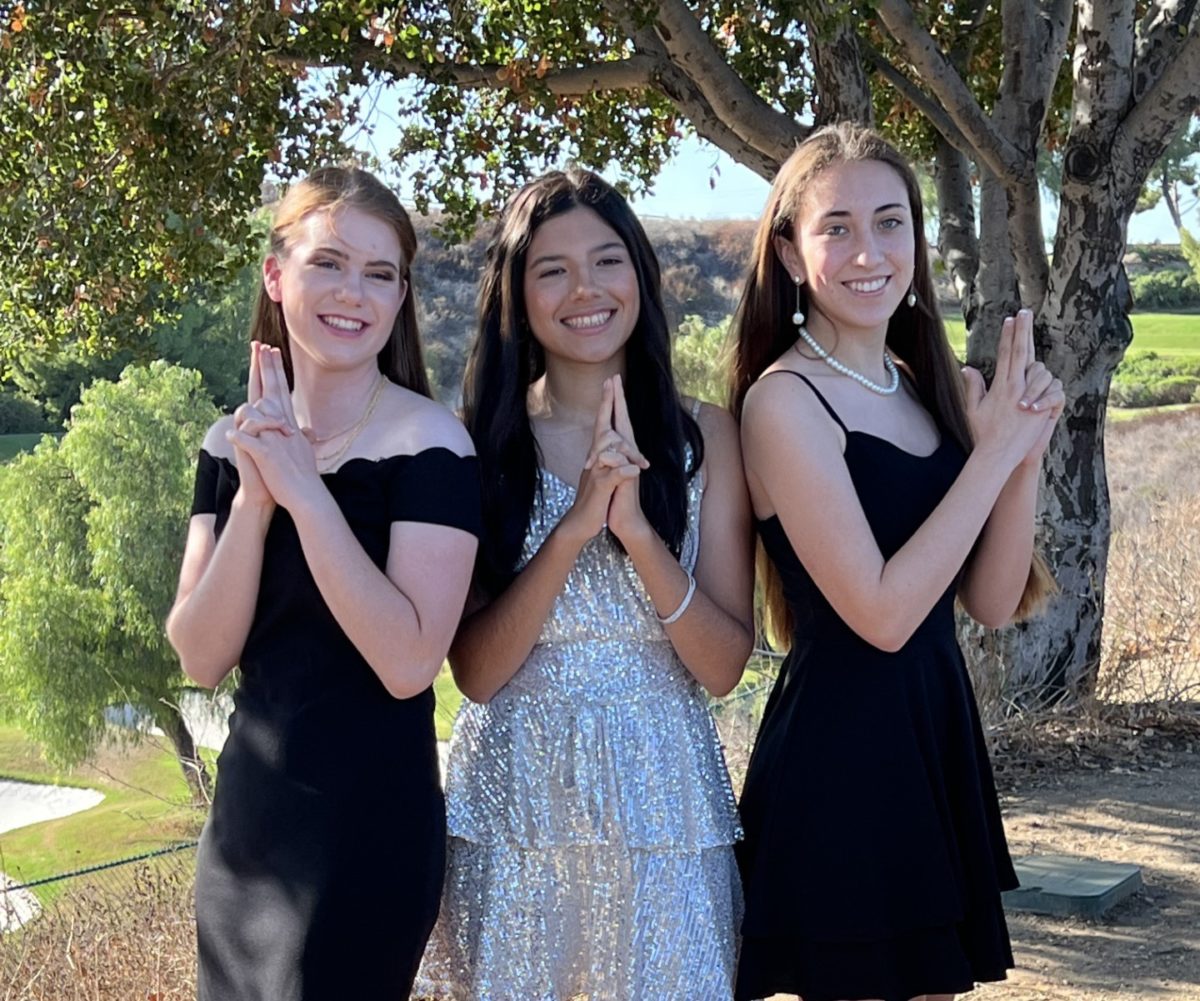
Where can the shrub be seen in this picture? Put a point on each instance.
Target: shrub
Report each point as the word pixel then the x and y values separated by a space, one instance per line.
pixel 21 414
pixel 1166 289
pixel 1147 380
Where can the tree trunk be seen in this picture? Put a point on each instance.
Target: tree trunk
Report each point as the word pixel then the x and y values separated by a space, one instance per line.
pixel 957 242
pixel 168 718
pixel 1082 332
pixel 842 91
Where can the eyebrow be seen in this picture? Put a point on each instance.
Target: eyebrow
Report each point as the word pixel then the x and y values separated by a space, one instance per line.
pixel 547 258
pixel 842 213
pixel 342 255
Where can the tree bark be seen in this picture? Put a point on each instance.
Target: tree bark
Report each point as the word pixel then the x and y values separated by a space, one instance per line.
pixel 957 242
pixel 843 92
pixel 170 720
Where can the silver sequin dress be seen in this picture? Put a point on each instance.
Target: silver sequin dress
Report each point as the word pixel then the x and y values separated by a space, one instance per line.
pixel 591 817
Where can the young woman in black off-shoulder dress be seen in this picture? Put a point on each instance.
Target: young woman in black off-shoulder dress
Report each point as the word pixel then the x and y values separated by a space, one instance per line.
pixel 886 485
pixel 328 556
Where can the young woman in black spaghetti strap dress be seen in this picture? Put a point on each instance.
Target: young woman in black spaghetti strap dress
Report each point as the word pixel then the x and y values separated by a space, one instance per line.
pixel 887 485
pixel 328 556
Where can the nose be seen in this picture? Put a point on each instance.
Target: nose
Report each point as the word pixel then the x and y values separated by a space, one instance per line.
pixel 585 285
pixel 349 290
pixel 868 252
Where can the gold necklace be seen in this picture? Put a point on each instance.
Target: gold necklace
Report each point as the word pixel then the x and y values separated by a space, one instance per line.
pixel 330 461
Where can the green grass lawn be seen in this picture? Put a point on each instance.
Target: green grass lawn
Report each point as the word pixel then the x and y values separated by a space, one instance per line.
pixel 1164 333
pixel 145 807
pixel 449 698
pixel 13 444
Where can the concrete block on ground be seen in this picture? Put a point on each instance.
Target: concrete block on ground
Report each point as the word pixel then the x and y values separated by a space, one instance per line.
pixel 1062 885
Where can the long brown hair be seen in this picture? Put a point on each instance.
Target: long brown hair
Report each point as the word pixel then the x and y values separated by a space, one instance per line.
pixel 762 329
pixel 328 189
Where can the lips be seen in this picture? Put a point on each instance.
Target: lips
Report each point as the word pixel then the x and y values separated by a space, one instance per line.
pixel 343 324
pixel 589 321
pixel 867 285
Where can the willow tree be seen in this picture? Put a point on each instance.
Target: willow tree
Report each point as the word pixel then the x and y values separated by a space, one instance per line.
pixel 161 122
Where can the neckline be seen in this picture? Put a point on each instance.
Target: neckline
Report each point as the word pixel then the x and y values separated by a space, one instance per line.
pixel 544 471
pixel 379 461
pixel 942 439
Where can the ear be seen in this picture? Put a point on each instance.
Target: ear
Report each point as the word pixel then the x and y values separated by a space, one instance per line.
pixel 403 290
pixel 789 257
pixel 272 272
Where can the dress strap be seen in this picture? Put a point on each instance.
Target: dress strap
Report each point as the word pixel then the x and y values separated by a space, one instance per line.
pixel 817 393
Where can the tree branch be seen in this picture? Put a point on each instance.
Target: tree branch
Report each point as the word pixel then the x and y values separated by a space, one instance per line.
pixel 633 73
pixel 1164 109
pixel 922 51
pixel 1160 34
pixel 751 118
pixel 936 114
pixel 1103 61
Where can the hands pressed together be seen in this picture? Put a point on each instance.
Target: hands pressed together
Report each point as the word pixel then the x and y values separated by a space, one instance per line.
pixel 607 496
pixel 1014 417
pixel 276 463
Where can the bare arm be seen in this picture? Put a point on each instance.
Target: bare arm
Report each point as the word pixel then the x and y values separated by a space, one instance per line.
pixel 401 621
pixel 715 635
pixel 996 573
pixel 218 584
pixel 794 451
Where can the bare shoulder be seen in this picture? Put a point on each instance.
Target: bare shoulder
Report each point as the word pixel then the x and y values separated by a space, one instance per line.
pixel 719 428
pixel 215 442
pixel 416 423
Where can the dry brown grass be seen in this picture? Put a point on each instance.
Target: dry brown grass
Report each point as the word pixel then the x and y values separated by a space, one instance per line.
pixel 125 934
pixel 1151 651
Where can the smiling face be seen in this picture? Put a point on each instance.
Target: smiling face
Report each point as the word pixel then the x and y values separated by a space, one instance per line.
pixel 581 289
pixel 853 246
pixel 340 286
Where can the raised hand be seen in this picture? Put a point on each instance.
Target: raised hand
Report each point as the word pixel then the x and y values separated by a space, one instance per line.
pixel 625 515
pixel 608 464
pixel 1014 417
pixel 268 434
pixel 249 419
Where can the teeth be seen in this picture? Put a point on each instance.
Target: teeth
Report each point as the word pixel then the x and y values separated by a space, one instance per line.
pixel 591 320
pixel 874 285
pixel 342 323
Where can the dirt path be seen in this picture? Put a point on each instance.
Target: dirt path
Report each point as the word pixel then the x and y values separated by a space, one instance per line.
pixel 1147 947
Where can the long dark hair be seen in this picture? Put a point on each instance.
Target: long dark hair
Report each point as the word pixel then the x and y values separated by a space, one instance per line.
pixel 505 359
pixel 762 329
pixel 328 189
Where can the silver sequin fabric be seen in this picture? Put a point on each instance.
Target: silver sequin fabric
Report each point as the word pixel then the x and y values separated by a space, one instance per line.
pixel 590 813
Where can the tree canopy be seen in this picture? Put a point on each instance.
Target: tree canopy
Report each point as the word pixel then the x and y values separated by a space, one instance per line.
pixel 91 537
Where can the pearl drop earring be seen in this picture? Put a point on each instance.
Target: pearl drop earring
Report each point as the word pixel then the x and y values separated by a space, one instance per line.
pixel 911 298
pixel 798 316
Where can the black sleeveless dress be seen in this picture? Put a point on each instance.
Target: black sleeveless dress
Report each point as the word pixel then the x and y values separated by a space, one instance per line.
pixel 320 867
pixel 874 853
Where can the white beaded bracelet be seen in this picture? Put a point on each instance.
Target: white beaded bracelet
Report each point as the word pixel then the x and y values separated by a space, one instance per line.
pixel 683 605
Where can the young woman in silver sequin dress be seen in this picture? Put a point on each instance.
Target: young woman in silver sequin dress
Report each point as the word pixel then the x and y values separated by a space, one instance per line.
pixel 590 813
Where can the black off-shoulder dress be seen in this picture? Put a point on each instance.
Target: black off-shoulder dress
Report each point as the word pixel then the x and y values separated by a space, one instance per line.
pixel 874 854
pixel 320 867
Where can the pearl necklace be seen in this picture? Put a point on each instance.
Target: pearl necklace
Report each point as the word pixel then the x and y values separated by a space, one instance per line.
pixel 844 369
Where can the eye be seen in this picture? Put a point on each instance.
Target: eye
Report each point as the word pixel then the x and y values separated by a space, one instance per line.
pixel 324 262
pixel 552 271
pixel 892 222
pixel 614 260
pixel 383 276
pixel 836 229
